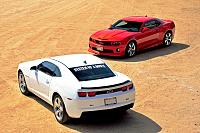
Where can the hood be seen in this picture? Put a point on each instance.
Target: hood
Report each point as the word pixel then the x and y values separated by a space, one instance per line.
pixel 112 34
pixel 119 78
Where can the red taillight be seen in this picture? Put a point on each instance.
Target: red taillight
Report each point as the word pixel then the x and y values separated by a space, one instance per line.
pixel 130 86
pixel 124 88
pixel 82 94
pixel 91 94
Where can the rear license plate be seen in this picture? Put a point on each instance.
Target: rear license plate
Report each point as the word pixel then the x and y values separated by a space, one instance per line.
pixel 99 48
pixel 110 101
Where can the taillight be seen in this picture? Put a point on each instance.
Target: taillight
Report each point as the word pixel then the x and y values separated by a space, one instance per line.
pixel 82 94
pixel 130 86
pixel 124 88
pixel 91 94
pixel 172 24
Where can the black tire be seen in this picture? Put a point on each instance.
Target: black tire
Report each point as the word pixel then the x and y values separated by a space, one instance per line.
pixel 131 49
pixel 60 114
pixel 167 39
pixel 22 84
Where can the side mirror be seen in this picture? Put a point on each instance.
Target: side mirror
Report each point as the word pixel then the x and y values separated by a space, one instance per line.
pixel 110 27
pixel 145 29
pixel 33 68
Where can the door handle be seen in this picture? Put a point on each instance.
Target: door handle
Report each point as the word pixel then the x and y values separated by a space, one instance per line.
pixel 47 81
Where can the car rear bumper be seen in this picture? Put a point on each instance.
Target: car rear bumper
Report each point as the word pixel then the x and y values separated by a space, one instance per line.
pixel 107 50
pixel 110 110
pixel 76 107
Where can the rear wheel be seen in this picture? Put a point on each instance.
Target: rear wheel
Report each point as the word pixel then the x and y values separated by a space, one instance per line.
pixel 59 110
pixel 22 84
pixel 167 40
pixel 130 49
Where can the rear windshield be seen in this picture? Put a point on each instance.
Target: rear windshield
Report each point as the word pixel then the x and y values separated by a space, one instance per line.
pixel 92 72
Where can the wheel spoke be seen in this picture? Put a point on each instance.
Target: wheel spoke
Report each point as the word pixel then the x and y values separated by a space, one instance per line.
pixel 61 108
pixel 22 87
pixel 20 78
pixel 130 52
pixel 132 45
pixel 168 35
pixel 168 42
pixel 61 114
pixel 57 112
pixel 57 103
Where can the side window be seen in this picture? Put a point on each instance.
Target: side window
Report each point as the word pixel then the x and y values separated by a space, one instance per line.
pixel 157 23
pixel 49 68
pixel 150 24
pixel 43 69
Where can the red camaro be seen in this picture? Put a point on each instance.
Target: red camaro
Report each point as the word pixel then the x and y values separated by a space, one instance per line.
pixel 131 34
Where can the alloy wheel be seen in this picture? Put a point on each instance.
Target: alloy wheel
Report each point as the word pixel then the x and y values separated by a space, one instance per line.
pixel 22 83
pixel 168 39
pixel 58 108
pixel 131 49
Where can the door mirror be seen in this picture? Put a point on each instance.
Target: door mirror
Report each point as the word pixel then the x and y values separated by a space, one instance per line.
pixel 33 68
pixel 145 29
pixel 110 27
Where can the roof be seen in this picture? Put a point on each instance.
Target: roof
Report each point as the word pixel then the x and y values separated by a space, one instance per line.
pixel 137 18
pixel 75 60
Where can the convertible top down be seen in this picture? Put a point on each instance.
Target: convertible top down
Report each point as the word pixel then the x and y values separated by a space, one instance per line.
pixel 74 84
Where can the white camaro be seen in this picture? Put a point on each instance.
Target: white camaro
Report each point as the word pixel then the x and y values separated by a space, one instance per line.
pixel 74 84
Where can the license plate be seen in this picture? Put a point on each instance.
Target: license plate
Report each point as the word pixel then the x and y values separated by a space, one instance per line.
pixel 110 101
pixel 99 48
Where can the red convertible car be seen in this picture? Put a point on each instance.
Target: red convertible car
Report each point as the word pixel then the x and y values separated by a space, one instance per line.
pixel 131 34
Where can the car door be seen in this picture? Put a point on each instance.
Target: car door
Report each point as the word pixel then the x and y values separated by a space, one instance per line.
pixel 44 77
pixel 33 80
pixel 150 36
pixel 158 27
pixel 47 71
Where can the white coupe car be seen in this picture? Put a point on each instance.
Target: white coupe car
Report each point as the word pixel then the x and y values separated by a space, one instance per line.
pixel 74 84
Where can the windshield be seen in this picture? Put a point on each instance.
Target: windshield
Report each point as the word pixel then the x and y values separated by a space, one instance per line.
pixel 92 72
pixel 127 25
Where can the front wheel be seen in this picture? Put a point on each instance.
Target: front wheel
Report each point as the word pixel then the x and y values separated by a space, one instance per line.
pixel 59 110
pixel 22 84
pixel 167 40
pixel 130 49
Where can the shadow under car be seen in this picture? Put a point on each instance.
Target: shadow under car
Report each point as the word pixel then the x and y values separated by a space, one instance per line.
pixel 109 121
pixel 150 53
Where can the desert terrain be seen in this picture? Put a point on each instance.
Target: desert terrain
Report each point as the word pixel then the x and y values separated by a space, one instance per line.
pixel 167 79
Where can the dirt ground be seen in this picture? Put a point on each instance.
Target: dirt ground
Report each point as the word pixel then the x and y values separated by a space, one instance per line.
pixel 167 79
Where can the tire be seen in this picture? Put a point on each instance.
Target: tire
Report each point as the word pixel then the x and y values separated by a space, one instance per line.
pixel 131 49
pixel 22 84
pixel 59 110
pixel 167 40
